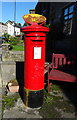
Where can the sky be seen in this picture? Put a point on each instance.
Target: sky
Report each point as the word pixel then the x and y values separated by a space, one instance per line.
pixel 22 8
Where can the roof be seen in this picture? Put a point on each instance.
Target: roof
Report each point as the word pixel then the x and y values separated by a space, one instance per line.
pixel 15 24
pixel 2 23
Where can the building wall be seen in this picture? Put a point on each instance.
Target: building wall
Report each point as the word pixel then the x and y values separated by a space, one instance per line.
pixel 11 29
pixel 74 28
pixel 0 29
pixel 43 8
pixel 17 30
pixel 57 40
pixel 3 29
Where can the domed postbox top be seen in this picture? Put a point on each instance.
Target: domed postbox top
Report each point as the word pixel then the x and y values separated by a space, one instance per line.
pixel 33 20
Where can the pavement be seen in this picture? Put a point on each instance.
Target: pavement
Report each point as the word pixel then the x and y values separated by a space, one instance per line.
pixel 56 105
pixel 0 81
pixel 0 54
pixel 21 111
pixel 0 103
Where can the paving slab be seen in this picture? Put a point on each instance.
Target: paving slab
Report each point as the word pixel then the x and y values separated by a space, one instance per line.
pixel 0 103
pixel 21 111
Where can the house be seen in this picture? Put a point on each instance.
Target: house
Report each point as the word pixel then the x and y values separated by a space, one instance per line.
pixel 13 28
pixel 62 17
pixel 3 28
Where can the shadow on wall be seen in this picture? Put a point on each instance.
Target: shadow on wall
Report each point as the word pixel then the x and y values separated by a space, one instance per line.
pixel 20 73
pixel 20 78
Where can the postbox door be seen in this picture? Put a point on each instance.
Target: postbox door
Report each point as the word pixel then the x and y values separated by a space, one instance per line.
pixel 34 62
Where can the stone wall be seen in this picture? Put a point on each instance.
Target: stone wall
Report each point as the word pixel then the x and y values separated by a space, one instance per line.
pixel 8 70
pixel 0 76
pixel 12 56
pixel 8 65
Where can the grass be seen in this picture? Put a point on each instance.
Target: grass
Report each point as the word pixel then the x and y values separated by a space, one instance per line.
pixel 18 48
pixel 9 101
pixel 55 87
pixel 48 109
pixel 54 105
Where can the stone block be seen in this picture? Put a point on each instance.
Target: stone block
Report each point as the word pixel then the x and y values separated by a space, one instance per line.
pixel 8 72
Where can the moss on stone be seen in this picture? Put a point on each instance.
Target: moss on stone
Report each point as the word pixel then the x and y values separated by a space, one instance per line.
pixel 48 111
pixel 53 105
pixel 9 101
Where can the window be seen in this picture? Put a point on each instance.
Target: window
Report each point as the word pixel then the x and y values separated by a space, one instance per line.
pixel 68 15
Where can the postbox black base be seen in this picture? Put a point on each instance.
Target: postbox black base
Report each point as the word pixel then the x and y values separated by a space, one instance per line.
pixel 34 99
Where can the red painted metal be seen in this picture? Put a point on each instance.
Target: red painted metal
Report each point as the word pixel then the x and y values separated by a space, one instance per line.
pixel 64 68
pixel 61 76
pixel 35 37
pixel 35 23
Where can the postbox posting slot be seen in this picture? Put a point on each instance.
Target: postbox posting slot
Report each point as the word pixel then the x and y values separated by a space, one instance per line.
pixel 37 40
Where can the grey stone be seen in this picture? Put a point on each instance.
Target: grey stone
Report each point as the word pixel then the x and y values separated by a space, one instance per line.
pixel 4 90
pixel 16 113
pixel 65 114
pixel 5 46
pixel 13 55
pixel 8 72
pixel 21 111
pixel 8 65
pixel 0 103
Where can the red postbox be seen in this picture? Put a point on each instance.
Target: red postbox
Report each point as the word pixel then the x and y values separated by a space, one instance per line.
pixel 34 59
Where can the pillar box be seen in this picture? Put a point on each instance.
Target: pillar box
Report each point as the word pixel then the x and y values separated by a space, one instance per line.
pixel 34 59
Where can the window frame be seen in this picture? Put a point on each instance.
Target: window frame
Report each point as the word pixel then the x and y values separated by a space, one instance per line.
pixel 67 28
